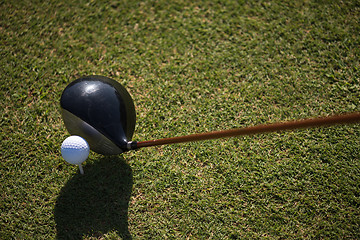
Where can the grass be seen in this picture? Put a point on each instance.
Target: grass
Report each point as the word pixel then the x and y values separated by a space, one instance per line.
pixel 190 67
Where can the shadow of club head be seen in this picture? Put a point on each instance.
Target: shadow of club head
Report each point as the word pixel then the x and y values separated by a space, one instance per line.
pixel 95 204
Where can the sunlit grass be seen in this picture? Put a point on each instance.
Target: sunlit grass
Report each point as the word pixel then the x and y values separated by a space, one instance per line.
pixel 190 67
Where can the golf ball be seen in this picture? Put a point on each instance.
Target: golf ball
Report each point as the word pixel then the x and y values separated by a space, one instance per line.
pixel 75 150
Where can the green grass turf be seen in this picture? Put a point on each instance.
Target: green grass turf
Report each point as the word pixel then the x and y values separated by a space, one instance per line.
pixel 190 66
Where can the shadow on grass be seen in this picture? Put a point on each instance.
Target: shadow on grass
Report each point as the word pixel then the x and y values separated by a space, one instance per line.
pixel 97 202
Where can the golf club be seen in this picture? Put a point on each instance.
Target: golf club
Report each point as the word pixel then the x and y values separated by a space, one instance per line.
pixel 100 110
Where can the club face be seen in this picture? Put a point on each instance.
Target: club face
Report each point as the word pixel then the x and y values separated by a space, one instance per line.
pixel 101 111
pixel 97 141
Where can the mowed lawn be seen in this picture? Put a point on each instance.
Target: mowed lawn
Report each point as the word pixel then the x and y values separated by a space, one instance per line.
pixel 190 66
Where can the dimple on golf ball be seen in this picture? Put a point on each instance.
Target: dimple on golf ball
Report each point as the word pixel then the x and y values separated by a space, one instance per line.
pixel 75 150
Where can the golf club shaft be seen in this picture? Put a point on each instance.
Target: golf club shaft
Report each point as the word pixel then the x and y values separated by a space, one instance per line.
pixel 274 127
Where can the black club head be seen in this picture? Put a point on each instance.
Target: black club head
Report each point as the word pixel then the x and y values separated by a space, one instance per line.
pixel 100 110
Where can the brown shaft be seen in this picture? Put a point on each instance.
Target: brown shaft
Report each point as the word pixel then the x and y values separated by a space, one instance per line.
pixel 306 123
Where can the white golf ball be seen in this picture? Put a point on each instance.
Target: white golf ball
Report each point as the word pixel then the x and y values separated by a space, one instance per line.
pixel 75 150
